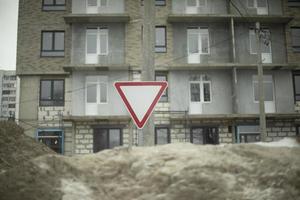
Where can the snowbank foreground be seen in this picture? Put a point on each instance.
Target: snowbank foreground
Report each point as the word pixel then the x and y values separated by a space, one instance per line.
pixel 170 172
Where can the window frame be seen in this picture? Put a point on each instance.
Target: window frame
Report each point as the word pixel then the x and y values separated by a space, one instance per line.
pixel 205 128
pixel 53 44
pixel 161 46
pixel 199 28
pixel 164 3
pixel 295 73
pixel 98 47
pixel 52 91
pixel 197 4
pixel 168 134
pixel 107 128
pixel 54 6
pixel 264 81
pixel 295 48
pixel 251 31
pixel 293 3
pixel 98 89
pixel 201 82
pixel 61 136
pixel 166 95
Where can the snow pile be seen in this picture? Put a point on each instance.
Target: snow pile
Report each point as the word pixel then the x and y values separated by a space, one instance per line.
pixel 285 142
pixel 169 172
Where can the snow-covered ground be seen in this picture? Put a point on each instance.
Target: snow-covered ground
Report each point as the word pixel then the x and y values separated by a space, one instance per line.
pixel 285 142
pixel 169 172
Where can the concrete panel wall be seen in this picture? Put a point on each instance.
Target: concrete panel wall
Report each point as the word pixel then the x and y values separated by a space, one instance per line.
pixel 213 7
pixel 243 43
pixel 283 91
pixel 116 43
pixel 274 7
pixel 114 106
pixel 220 91
pixel 218 42
pixel 114 6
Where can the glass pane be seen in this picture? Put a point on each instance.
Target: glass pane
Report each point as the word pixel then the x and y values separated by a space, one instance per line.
pixel 60 2
pixel 91 43
pixel 100 140
pixel 161 136
pixel 197 135
pixel 160 39
pixel 91 93
pixel 206 91
pixel 255 85
pixel 268 87
pixel 59 42
pixel 92 2
pixel 262 3
pixel 297 84
pixel 103 43
pixel 58 90
pixel 46 90
pixel 204 43
pixel 47 41
pixel 195 92
pixel 48 2
pixel 114 138
pixel 191 2
pixel 103 92
pixel 193 43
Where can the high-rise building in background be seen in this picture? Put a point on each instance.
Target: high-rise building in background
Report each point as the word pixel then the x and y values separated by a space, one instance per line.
pixel 70 52
pixel 8 87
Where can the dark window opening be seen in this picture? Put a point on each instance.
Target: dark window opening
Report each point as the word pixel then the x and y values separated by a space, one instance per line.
pixel 295 31
pixel 160 39
pixel 52 93
pixel 54 5
pixel 53 43
pixel 296 83
pixel 107 138
pixel 204 135
pixel 162 77
pixel 157 2
pixel 293 3
pixel 6 92
pixel 247 134
pixel 53 139
pixel 162 135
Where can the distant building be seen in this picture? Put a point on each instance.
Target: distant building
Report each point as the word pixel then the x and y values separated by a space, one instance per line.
pixel 8 86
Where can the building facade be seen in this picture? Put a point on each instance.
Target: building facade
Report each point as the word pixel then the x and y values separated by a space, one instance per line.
pixel 8 87
pixel 70 52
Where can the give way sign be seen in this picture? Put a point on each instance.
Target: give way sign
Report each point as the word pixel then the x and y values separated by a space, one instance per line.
pixel 140 98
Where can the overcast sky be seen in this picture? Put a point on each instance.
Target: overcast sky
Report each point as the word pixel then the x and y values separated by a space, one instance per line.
pixel 8 33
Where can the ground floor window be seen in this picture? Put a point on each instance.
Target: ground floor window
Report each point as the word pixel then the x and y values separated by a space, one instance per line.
pixel 204 135
pixel 247 134
pixel 52 138
pixel 107 138
pixel 162 135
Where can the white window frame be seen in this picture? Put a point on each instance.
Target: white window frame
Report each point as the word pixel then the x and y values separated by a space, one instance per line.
pixel 252 32
pixel 100 31
pixel 201 83
pixel 200 31
pixel 98 2
pixel 100 80
pixel 255 80
pixel 197 4
pixel 255 4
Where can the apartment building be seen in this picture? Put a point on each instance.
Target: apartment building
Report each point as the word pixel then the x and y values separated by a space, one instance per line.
pixel 70 52
pixel 8 87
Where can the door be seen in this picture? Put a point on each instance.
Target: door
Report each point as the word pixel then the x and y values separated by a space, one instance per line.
pixel 91 46
pixel 193 45
pixel 106 138
pixel 266 49
pixel 195 98
pixel 262 7
pixel 204 135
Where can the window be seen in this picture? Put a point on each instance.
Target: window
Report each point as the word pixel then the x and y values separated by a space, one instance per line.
pixel 198 40
pixel 204 135
pixel 6 92
pixel 298 130
pixel 157 2
pixel 247 134
pixel 265 44
pixel 296 80
pixel 52 93
pixel 52 138
pixel 53 43
pixel 295 38
pixel 96 89
pixel 293 3
pixel 200 88
pixel 160 39
pixel 162 135
pixel 12 98
pixel 11 105
pixel 162 77
pixel 52 5
pixel 107 138
pixel 268 88
pixel 96 44
pixel 257 3
pixel 196 3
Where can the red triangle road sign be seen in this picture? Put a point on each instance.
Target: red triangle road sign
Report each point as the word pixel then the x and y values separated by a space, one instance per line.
pixel 140 98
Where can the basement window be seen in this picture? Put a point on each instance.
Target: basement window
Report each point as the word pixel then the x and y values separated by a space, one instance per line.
pixel 204 135
pixel 296 81
pixel 53 44
pixel 52 138
pixel 247 134
pixel 107 138
pixel 52 93
pixel 54 5
pixel 295 38
pixel 162 135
